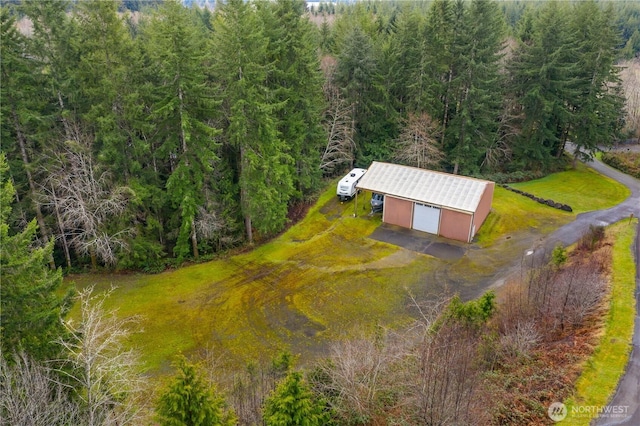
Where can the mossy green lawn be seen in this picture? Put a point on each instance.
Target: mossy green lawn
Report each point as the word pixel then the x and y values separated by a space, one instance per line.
pixel 582 188
pixel 599 379
pixel 512 213
pixel 313 284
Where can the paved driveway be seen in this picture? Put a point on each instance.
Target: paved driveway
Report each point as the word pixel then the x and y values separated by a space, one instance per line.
pixel 628 392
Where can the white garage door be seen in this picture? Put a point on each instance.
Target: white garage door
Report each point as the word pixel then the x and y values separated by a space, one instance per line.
pixel 426 218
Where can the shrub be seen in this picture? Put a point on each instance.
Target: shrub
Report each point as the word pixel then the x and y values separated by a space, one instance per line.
pixel 626 162
pixel 559 255
pixel 591 239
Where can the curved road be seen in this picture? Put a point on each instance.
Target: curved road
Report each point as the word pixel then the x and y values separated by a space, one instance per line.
pixel 627 396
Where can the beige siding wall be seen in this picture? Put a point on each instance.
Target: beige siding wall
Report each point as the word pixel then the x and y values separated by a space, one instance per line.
pixel 397 211
pixel 484 207
pixel 455 225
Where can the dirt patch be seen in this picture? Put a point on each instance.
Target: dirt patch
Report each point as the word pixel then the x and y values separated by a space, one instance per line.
pixel 290 321
pixel 297 212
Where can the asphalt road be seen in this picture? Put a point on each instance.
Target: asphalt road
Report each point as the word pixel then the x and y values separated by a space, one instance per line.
pixel 627 397
pixel 626 401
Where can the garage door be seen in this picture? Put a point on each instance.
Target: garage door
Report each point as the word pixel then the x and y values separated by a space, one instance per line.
pixel 426 218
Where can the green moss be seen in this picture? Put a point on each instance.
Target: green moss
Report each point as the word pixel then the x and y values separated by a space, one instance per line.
pixel 512 213
pixel 597 383
pixel 317 282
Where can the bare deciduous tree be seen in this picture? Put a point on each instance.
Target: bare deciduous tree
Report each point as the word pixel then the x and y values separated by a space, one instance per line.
pixel 104 375
pixel 499 151
pixel 564 298
pixel 519 339
pixel 338 122
pixel 443 375
pixel 418 144
pixel 211 225
pixel 630 76
pixel 30 395
pixel 85 200
pixel 360 373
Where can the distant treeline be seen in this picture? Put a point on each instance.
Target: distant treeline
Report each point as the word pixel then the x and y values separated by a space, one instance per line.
pixel 137 141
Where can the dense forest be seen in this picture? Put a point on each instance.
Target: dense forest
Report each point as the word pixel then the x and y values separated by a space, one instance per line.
pixel 141 139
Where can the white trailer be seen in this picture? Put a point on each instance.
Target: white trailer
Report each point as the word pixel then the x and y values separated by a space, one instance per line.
pixel 347 186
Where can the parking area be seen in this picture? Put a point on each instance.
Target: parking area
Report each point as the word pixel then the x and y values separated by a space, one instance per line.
pixel 420 242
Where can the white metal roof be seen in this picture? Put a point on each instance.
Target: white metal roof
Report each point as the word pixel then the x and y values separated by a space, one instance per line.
pixel 424 186
pixel 353 175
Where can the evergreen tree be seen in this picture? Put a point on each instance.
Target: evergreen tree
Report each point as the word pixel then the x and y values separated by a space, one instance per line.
pixel 188 401
pixel 109 64
pixel 53 47
pixel 296 84
pixel 293 404
pixel 477 87
pixel 256 153
pixel 632 46
pixel 442 30
pixel 182 108
pixel 543 77
pixel 31 303
pixel 21 109
pixel 597 108
pixel 408 65
pixel 359 75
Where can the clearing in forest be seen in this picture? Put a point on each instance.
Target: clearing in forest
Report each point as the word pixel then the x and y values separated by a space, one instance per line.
pixel 322 280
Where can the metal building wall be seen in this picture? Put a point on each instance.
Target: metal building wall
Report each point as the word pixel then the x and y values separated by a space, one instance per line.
pixel 397 211
pixel 484 207
pixel 455 225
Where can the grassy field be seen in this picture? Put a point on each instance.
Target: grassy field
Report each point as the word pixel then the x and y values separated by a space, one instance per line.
pixel 603 370
pixel 512 213
pixel 321 280
pixel 583 189
pixel 315 282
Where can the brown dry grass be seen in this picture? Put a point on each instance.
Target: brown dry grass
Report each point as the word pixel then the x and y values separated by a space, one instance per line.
pixel 520 391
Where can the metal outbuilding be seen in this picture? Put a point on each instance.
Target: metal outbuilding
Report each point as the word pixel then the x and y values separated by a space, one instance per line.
pixel 449 205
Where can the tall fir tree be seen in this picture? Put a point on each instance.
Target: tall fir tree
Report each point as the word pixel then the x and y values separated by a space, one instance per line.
pixel 543 76
pixel 408 64
pixel 53 45
pixel 182 109
pixel 260 159
pixel 477 87
pixel 22 109
pixel 106 74
pixel 296 84
pixel 442 32
pixel 31 298
pixel 359 75
pixel 597 108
